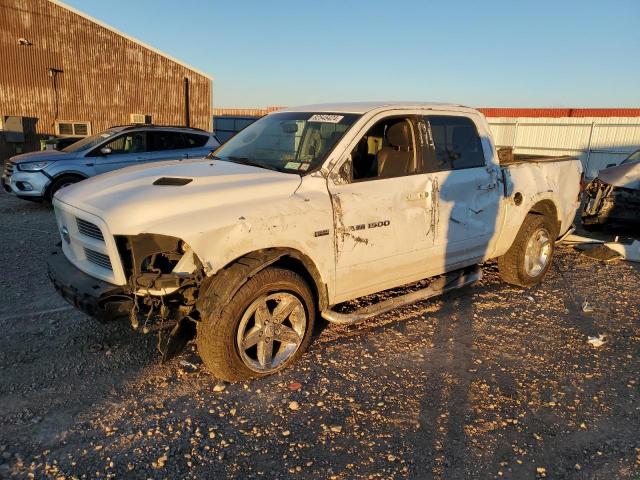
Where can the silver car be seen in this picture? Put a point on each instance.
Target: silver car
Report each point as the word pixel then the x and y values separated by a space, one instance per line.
pixel 38 175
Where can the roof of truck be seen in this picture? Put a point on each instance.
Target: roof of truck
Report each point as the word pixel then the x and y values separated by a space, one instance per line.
pixel 364 107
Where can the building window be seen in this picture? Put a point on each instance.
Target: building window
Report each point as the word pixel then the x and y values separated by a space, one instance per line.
pixel 75 129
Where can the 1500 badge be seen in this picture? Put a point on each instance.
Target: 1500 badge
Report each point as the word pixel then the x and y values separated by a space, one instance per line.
pixel 353 228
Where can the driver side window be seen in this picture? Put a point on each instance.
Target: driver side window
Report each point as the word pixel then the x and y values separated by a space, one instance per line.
pixel 387 150
pixel 134 142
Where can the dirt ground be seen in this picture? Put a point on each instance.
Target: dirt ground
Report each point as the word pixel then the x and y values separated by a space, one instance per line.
pixel 487 382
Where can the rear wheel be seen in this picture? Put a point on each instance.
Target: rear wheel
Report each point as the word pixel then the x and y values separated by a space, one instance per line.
pixel 529 258
pixel 265 327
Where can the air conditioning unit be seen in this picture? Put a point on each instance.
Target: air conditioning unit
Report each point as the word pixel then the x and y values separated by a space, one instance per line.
pixel 139 118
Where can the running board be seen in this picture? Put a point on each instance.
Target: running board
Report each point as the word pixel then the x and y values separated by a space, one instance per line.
pixel 443 284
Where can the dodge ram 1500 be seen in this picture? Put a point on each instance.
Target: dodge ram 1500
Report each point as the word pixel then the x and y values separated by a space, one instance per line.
pixel 303 210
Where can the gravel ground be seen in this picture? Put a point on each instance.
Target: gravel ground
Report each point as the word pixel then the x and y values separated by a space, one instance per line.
pixel 486 382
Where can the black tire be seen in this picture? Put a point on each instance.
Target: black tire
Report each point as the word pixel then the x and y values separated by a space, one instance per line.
pixel 512 264
pixel 216 336
pixel 61 182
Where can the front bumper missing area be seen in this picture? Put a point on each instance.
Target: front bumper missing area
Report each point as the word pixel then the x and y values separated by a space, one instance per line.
pixel 101 300
pixel 610 204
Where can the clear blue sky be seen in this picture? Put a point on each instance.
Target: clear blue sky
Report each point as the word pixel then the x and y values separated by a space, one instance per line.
pixel 478 52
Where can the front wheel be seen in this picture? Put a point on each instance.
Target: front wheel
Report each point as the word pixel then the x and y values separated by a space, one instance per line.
pixel 530 255
pixel 265 327
pixel 60 183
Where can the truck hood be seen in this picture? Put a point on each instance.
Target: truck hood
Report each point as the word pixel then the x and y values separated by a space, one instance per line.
pixel 626 175
pixel 135 199
pixel 41 156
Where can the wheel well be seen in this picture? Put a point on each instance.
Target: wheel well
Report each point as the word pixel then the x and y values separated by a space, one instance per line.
pixel 298 266
pixel 241 269
pixel 78 176
pixel 548 209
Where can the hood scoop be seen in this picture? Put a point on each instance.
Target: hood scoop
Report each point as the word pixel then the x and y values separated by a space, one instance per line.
pixel 173 181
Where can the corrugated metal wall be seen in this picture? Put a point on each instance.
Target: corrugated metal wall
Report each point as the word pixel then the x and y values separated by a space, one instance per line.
pixel 105 77
pixel 598 141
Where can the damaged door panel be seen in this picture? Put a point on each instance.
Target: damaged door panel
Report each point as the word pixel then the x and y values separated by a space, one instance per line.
pixel 467 182
pixel 383 215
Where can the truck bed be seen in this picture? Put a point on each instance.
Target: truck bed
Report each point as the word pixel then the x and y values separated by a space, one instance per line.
pixel 507 157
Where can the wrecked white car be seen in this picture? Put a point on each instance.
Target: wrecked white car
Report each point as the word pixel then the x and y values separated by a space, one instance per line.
pixel 302 211
pixel 614 195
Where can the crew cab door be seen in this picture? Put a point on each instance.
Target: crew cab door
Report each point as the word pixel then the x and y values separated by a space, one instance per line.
pixel 466 179
pixel 125 149
pixel 381 204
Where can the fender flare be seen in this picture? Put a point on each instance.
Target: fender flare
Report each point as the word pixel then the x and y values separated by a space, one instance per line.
pixel 218 289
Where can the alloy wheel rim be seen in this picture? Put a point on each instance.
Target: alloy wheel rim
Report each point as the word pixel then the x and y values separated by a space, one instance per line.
pixel 537 252
pixel 271 331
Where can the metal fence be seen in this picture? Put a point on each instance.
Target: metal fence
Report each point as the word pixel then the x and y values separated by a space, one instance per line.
pixel 226 126
pixel 598 142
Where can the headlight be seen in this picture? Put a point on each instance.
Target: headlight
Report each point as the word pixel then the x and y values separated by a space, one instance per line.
pixel 32 166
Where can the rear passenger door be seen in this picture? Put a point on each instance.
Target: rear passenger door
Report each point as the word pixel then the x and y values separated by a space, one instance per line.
pixel 467 184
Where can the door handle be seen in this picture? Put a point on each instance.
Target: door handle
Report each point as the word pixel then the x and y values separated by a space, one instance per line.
pixel 412 197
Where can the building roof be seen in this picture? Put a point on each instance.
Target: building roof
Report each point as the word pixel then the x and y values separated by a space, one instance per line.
pixel 129 37
pixel 560 112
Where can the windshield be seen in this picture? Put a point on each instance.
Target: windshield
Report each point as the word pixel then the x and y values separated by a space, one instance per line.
pixel 289 141
pixel 634 157
pixel 90 142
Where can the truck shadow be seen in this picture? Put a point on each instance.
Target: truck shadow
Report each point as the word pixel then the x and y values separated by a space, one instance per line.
pixel 441 440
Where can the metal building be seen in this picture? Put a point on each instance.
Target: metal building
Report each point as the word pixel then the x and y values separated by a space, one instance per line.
pixel 63 73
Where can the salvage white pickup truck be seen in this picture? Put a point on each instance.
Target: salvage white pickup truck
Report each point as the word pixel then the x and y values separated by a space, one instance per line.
pixel 303 210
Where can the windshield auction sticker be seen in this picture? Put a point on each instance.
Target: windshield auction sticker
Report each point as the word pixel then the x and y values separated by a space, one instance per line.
pixel 326 118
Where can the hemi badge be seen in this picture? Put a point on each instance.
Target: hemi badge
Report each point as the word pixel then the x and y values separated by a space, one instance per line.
pixel 321 233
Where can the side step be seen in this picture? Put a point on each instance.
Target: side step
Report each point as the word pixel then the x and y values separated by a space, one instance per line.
pixel 443 284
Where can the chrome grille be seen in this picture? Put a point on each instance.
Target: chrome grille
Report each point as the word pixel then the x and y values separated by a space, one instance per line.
pixel 89 229
pixel 98 258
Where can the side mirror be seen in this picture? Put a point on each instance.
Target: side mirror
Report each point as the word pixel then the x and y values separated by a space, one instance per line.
pixel 611 165
pixel 105 151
